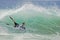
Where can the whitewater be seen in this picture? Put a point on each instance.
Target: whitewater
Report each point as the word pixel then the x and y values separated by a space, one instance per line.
pixel 41 23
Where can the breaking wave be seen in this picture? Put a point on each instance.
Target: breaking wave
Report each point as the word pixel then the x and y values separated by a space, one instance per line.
pixel 41 23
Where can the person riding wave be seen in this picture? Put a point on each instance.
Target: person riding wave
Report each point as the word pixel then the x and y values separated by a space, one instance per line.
pixel 16 25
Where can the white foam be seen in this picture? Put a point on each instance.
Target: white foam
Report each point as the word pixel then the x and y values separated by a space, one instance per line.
pixel 31 36
pixel 3 31
pixel 26 7
pixel 9 12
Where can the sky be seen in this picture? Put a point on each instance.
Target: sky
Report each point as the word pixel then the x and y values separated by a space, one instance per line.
pixel 4 4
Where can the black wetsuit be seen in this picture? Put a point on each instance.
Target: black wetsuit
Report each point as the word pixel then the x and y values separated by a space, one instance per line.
pixel 17 25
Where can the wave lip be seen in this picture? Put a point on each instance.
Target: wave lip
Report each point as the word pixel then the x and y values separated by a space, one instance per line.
pixel 29 6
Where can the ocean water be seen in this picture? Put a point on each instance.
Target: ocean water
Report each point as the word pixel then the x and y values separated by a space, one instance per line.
pixel 41 23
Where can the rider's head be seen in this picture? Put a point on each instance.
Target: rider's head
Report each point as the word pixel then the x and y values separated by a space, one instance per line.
pixel 23 23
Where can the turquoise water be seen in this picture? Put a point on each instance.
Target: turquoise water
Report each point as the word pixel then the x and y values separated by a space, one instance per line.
pixel 39 25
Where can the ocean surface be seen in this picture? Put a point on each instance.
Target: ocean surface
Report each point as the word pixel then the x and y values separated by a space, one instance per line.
pixel 41 23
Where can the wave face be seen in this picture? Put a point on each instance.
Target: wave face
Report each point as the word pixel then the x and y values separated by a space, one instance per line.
pixel 41 23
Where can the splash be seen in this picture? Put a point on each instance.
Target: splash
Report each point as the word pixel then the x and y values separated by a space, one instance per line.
pixel 29 6
pixel 49 14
